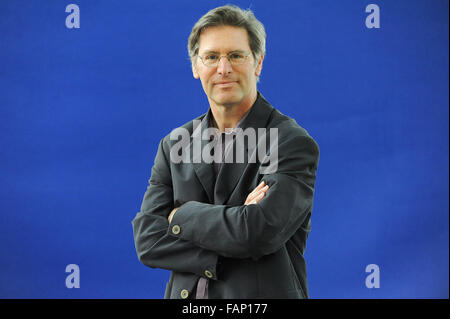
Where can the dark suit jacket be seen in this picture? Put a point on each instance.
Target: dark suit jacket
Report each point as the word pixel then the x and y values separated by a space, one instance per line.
pixel 253 251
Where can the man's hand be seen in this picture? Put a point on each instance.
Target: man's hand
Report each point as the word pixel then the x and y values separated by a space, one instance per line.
pixel 253 198
pixel 257 194
pixel 171 214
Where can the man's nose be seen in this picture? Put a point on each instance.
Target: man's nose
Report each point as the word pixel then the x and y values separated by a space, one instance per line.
pixel 224 66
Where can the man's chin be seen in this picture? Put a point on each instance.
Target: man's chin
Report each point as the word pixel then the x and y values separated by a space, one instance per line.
pixel 227 98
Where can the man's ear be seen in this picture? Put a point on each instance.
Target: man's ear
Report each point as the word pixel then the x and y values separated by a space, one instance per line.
pixel 194 68
pixel 259 66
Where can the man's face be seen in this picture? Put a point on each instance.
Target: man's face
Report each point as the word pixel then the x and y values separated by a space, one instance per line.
pixel 226 84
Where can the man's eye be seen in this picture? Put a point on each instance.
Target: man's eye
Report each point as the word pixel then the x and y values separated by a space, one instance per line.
pixel 211 57
pixel 237 56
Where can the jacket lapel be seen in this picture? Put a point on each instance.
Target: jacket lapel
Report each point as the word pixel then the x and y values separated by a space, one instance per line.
pixel 204 171
pixel 230 173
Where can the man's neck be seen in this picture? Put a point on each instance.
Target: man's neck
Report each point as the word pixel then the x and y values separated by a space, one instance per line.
pixel 228 116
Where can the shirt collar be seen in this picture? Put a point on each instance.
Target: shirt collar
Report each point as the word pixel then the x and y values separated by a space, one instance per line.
pixel 212 122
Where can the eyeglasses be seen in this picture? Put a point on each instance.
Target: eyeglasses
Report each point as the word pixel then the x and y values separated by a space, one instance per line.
pixel 212 60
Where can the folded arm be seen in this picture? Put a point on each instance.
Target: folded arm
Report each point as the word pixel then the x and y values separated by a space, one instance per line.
pixel 252 231
pixel 154 246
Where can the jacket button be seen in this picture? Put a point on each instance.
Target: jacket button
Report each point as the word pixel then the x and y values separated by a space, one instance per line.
pixel 176 229
pixel 208 274
pixel 184 293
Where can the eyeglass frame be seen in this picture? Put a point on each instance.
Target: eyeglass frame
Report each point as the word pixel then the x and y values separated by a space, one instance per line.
pixel 228 58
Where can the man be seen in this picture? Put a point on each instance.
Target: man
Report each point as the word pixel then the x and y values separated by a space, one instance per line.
pixel 228 228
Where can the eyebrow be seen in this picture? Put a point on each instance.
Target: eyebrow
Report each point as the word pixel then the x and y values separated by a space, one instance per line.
pixel 215 52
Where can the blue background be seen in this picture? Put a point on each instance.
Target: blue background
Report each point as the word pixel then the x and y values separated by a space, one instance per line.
pixel 82 112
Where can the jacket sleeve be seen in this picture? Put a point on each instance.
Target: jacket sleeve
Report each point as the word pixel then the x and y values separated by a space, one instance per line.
pixel 154 247
pixel 260 229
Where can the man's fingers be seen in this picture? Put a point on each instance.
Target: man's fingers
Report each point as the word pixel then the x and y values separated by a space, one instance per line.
pixel 259 188
pixel 258 198
pixel 255 196
pixel 261 185
pixel 256 192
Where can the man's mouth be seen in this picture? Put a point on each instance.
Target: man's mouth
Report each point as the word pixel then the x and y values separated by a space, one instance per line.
pixel 224 83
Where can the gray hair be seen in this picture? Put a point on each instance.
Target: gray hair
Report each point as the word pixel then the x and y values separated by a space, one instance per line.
pixel 230 15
